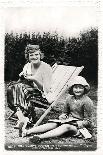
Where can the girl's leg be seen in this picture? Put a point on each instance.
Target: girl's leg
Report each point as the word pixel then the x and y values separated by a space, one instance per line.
pixel 59 131
pixel 41 128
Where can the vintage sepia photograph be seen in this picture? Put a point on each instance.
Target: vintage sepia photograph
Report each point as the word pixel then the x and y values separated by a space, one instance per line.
pixel 51 77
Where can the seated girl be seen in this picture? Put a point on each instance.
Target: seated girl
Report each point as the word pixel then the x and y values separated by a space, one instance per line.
pixel 77 114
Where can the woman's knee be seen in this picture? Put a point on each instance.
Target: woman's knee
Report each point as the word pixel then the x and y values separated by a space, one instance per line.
pixel 19 85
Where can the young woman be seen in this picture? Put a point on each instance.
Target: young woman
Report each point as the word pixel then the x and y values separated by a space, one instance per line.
pixel 78 108
pixel 36 78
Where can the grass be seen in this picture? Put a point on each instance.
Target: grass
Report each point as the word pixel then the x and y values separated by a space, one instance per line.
pixel 14 142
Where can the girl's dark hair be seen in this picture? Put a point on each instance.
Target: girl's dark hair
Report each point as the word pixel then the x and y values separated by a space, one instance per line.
pixel 71 89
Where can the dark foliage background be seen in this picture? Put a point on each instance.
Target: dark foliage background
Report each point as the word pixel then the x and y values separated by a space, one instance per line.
pixel 75 51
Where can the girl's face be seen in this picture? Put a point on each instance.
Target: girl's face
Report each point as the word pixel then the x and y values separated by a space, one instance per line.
pixel 34 57
pixel 78 90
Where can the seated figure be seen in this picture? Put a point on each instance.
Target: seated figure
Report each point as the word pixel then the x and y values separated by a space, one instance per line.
pixel 35 78
pixel 76 118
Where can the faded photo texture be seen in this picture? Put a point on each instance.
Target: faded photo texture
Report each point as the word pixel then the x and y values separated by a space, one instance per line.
pixel 68 36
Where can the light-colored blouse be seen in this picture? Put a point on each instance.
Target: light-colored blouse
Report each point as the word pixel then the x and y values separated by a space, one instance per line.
pixel 43 75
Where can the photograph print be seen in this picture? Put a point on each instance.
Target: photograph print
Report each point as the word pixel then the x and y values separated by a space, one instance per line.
pixel 51 78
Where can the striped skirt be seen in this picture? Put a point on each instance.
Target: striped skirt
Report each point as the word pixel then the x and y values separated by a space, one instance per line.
pixel 21 92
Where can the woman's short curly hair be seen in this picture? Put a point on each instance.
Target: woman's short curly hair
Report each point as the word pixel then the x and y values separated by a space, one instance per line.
pixel 28 49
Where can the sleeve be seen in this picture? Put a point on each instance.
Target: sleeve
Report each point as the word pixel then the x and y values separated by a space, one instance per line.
pixel 47 79
pixel 67 106
pixel 88 112
pixel 24 71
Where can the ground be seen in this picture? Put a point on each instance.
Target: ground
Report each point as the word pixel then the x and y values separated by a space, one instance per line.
pixel 14 142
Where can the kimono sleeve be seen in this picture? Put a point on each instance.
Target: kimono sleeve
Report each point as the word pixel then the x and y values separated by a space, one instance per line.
pixel 47 79
pixel 24 71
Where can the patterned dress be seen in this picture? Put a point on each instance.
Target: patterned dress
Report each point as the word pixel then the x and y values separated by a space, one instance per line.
pixel 22 90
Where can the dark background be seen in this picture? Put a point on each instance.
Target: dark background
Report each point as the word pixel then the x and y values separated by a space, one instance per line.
pixel 76 51
pixel 73 51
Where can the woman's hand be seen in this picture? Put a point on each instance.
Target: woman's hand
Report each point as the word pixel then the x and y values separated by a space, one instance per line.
pixel 63 116
pixel 30 77
pixel 33 79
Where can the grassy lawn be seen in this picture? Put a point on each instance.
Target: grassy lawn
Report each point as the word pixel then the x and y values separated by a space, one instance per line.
pixel 14 142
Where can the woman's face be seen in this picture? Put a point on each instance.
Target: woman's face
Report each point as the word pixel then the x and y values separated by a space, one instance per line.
pixel 34 56
pixel 78 90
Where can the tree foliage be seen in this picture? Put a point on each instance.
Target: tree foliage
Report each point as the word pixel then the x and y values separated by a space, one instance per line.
pixel 75 51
